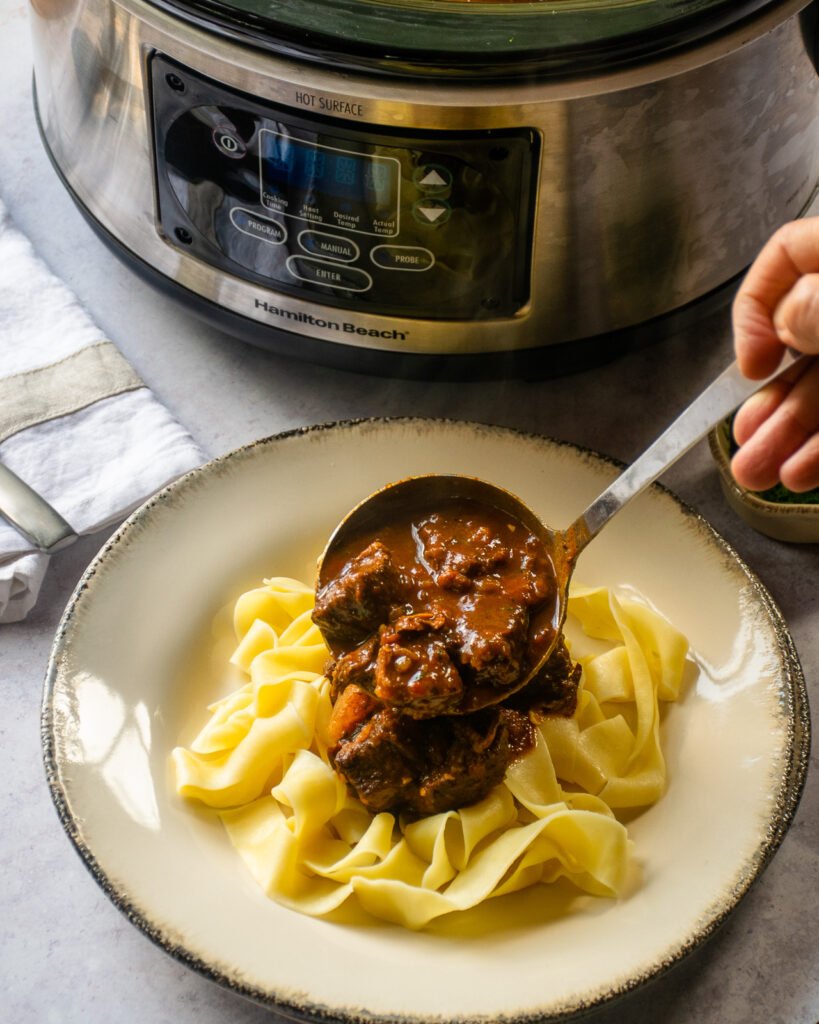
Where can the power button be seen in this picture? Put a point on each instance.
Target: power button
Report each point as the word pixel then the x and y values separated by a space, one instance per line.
pixel 229 144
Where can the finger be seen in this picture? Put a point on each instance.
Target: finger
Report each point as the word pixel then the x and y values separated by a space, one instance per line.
pixel 801 471
pixel 765 402
pixel 757 465
pixel 756 343
pixel 789 254
pixel 796 318
pixel 757 409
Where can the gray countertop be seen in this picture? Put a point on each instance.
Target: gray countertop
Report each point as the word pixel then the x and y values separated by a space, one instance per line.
pixel 67 954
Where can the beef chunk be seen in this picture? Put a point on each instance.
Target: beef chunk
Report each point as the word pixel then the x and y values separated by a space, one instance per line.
pixel 521 730
pixel 413 669
pixel 553 691
pixel 357 668
pixel 459 551
pixel 358 601
pixel 418 767
pixel 433 620
pixel 466 758
pixel 491 641
pixel 417 675
pixel 380 759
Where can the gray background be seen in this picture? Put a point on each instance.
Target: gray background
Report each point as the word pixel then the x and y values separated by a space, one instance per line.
pixel 66 954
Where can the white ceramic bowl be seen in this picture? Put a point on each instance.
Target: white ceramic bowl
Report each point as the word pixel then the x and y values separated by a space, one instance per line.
pixel 119 696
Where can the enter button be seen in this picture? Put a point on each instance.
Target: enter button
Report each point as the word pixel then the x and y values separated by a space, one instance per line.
pixel 331 275
pixel 402 257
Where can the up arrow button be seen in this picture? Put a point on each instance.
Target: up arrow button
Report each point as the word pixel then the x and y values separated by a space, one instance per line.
pixel 432 178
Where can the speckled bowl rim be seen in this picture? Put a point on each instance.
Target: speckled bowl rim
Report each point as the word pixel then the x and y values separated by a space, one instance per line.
pixel 785 804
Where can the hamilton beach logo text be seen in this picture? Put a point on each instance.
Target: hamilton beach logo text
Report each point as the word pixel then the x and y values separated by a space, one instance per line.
pixel 344 326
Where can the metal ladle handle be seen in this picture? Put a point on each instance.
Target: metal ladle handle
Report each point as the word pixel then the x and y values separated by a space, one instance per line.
pixel 718 400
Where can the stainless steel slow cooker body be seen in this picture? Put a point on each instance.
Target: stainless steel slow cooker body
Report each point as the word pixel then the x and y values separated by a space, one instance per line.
pixel 639 189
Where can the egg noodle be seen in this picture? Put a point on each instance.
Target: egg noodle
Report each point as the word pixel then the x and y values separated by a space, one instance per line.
pixel 262 762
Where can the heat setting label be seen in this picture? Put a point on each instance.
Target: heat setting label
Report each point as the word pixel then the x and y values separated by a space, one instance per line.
pixel 329 185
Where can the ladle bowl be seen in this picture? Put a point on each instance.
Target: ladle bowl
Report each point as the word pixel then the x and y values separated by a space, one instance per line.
pixel 564 546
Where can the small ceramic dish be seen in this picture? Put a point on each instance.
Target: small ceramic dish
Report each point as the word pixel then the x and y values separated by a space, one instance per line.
pixel 134 665
pixel 795 522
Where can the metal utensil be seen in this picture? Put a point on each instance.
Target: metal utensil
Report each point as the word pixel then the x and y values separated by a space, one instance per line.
pixel 31 515
pixel 717 401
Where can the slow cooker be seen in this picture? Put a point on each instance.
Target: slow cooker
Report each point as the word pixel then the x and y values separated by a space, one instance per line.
pixel 353 180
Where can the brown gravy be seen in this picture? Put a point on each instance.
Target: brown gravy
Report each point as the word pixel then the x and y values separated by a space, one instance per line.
pixel 483 580
pixel 436 619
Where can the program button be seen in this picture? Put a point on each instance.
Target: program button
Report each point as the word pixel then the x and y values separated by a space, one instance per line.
pixel 263 228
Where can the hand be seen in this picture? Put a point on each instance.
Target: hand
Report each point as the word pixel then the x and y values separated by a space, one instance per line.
pixel 778 305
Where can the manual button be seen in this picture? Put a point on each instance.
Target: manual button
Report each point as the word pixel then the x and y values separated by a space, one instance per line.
pixel 331 275
pixel 331 247
pixel 402 257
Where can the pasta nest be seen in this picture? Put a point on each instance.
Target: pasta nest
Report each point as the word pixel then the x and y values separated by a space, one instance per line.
pixel 261 761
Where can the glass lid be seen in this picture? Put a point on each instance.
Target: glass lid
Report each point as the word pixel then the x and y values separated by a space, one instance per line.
pixel 450 38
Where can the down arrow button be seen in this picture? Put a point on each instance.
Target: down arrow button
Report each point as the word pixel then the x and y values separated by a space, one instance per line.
pixel 431 211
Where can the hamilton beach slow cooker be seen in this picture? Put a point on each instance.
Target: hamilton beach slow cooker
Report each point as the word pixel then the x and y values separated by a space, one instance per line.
pixel 348 180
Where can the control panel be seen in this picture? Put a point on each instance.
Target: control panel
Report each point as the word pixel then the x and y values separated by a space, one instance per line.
pixel 435 225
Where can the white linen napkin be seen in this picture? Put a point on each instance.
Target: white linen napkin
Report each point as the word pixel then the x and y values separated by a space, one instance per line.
pixel 76 422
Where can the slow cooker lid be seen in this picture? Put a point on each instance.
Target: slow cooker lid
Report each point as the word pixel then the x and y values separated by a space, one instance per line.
pixel 451 38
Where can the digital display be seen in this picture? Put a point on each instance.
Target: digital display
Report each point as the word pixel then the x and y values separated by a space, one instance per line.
pixel 304 207
pixel 329 185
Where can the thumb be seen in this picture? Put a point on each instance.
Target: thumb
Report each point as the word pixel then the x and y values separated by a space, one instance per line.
pixel 796 318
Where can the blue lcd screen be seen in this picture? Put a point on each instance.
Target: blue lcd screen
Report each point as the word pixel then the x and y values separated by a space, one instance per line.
pixel 295 167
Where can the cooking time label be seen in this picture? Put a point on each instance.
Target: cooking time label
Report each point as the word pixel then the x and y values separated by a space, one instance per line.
pixel 329 185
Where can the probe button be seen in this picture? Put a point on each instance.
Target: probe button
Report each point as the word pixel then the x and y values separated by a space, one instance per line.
pixel 402 257
pixel 330 275
pixel 431 211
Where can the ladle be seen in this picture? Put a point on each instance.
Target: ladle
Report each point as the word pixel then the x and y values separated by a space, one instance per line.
pixel 717 401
